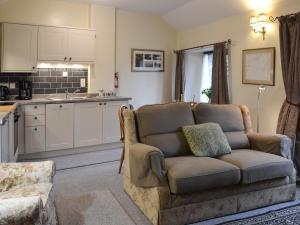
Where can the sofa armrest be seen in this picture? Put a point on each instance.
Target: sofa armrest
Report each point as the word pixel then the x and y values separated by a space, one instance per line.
pixel 15 174
pixel 275 144
pixel 20 211
pixel 147 165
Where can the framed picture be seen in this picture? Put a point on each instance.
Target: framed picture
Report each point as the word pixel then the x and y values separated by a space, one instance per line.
pixel 144 60
pixel 259 66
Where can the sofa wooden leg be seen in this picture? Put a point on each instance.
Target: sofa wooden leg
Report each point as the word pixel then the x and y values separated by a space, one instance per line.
pixel 122 160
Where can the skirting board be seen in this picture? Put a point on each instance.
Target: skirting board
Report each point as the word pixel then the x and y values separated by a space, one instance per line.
pixel 71 151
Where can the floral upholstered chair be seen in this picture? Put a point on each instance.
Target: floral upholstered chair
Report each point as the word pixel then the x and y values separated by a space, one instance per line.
pixel 26 194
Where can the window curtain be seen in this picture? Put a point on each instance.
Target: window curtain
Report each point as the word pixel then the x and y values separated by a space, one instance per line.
pixel 219 86
pixel 179 76
pixel 289 32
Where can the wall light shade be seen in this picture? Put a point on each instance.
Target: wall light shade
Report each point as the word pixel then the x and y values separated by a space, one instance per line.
pixel 259 23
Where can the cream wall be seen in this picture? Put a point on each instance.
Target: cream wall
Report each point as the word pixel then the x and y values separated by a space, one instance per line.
pixel 135 30
pixel 237 29
pixel 46 12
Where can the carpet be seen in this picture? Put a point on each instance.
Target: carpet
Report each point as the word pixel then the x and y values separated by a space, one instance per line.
pixel 287 216
pixel 92 208
pixel 103 176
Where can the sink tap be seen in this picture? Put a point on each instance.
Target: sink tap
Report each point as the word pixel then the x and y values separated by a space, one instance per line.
pixel 67 94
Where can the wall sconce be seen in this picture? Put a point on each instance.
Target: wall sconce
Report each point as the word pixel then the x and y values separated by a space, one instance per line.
pixel 259 24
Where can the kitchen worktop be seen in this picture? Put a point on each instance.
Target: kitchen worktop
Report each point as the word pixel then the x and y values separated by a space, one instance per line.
pixel 7 109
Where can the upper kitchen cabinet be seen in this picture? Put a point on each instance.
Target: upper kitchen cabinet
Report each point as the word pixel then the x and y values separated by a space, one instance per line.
pixel 67 45
pixel 18 47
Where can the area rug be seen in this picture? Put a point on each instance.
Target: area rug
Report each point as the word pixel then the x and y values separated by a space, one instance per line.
pixel 94 208
pixel 287 216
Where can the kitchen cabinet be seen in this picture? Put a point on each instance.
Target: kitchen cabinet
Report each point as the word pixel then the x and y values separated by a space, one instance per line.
pixel 111 124
pixel 66 45
pixel 18 47
pixel 87 124
pixel 4 142
pixel 52 44
pixel 59 126
pixel 35 139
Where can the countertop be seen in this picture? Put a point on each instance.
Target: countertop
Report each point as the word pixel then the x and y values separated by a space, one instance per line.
pixel 6 110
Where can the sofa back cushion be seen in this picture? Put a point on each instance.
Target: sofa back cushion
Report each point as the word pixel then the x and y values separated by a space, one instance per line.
pixel 160 126
pixel 229 117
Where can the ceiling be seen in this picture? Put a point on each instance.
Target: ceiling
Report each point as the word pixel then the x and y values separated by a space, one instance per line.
pixel 185 14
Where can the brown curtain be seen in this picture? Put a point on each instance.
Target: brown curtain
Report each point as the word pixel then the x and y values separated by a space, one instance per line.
pixel 289 32
pixel 179 76
pixel 219 75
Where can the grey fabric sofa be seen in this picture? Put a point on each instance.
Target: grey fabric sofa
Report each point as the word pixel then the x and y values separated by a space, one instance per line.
pixel 171 186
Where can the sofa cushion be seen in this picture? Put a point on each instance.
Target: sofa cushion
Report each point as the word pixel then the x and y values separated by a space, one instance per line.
pixel 258 166
pixel 229 117
pixel 206 139
pixel 189 174
pixel 160 126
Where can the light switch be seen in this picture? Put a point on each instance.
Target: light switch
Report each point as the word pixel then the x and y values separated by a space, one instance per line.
pixel 12 85
pixel 82 82
pixel 65 74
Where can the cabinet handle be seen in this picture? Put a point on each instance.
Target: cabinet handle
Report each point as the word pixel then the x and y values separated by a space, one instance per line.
pixel 35 107
pixel 70 58
pixel 35 118
pixel 33 67
pixel 35 129
pixel 65 58
pixel 100 103
pixel 105 103
pixel 60 106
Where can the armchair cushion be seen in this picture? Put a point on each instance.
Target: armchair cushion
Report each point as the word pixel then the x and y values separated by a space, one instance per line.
pixel 206 140
pixel 147 165
pixel 190 174
pixel 259 166
pixel 275 144
pixel 21 174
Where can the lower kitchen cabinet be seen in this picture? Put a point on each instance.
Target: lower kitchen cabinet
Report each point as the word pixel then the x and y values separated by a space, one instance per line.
pixel 59 126
pixel 87 124
pixel 35 139
pixel 4 142
pixel 111 124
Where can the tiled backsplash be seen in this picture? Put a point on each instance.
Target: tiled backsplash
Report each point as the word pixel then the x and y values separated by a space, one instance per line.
pixel 48 81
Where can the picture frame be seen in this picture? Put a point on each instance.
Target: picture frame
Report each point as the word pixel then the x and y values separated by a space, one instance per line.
pixel 147 60
pixel 259 66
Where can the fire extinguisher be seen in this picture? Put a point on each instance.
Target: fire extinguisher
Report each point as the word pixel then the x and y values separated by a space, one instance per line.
pixel 116 80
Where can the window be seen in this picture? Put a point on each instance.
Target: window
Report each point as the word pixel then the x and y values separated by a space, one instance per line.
pixel 198 74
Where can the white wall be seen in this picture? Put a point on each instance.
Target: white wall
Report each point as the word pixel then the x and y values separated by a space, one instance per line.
pixel 102 73
pixel 45 12
pixel 237 28
pixel 135 30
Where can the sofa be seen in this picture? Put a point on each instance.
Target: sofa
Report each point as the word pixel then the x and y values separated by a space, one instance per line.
pixel 26 194
pixel 172 186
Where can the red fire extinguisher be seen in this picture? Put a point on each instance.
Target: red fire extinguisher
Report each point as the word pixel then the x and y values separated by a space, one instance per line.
pixel 116 80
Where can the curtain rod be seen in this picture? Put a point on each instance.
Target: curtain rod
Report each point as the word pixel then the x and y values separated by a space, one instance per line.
pixel 272 19
pixel 202 46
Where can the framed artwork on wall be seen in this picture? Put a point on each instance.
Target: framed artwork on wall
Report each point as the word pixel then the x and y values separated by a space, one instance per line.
pixel 147 60
pixel 259 66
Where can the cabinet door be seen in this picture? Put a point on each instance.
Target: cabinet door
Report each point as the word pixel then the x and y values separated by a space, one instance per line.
pixel 4 142
pixel 88 124
pixel 52 43
pixel 81 45
pixel 19 48
pixel 35 139
pixel 59 126
pixel 111 124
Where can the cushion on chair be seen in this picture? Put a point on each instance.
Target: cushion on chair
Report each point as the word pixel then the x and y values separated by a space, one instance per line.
pixel 258 166
pixel 160 126
pixel 189 174
pixel 229 117
pixel 206 139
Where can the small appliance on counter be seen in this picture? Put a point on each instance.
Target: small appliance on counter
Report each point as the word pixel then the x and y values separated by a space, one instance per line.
pixel 4 93
pixel 25 90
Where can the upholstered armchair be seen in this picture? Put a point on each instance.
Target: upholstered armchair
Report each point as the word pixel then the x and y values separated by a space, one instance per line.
pixel 26 194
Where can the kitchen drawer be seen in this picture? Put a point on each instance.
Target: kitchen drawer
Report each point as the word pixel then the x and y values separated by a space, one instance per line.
pixel 37 120
pixel 31 110
pixel 35 139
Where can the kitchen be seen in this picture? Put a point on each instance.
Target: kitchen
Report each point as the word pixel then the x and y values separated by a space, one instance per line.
pixel 46 109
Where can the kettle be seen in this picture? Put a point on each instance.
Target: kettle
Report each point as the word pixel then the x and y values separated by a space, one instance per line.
pixel 4 93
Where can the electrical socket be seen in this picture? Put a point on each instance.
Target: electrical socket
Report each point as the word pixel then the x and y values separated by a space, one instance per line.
pixel 65 74
pixel 82 82
pixel 12 85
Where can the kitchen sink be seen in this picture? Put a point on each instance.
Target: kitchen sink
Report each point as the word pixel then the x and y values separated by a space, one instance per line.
pixel 70 98
pixel 56 99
